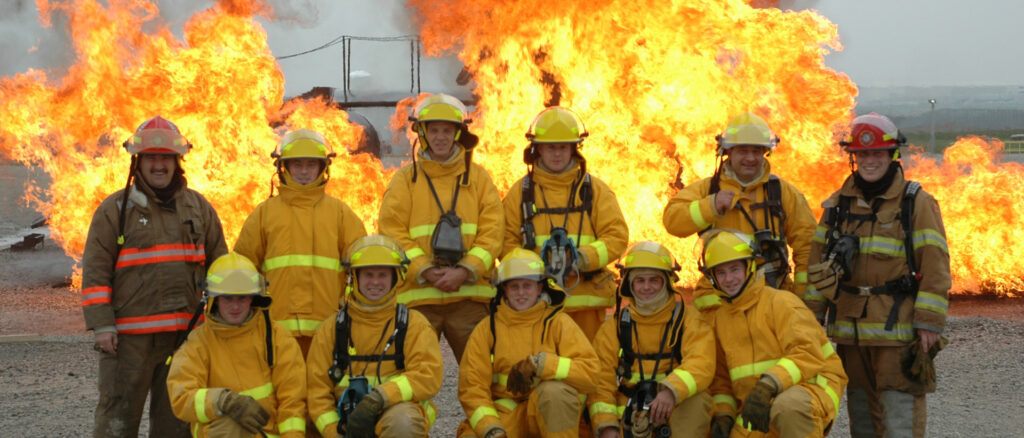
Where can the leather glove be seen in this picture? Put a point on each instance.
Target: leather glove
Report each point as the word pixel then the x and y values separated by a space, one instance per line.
pixel 245 410
pixel 757 407
pixel 520 379
pixel 497 432
pixel 919 366
pixel 825 277
pixel 363 418
pixel 721 426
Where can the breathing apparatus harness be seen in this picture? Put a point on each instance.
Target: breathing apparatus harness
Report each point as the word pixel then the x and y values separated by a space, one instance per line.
pixel 559 252
pixel 493 310
pixel 641 394
pixel 446 241
pixel 838 245
pixel 345 353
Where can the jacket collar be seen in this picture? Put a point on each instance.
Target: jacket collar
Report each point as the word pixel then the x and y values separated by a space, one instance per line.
pixel 436 169
pixel 894 190
pixel 546 178
pixel 729 175
pixel 301 196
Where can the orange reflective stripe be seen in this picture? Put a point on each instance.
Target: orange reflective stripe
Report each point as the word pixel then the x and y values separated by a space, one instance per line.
pixel 167 322
pixel 96 295
pixel 175 252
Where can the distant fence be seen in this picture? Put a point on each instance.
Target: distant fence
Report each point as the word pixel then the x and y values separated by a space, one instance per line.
pixel 1014 147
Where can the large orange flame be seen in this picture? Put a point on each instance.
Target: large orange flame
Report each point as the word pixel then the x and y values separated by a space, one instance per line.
pixel 654 82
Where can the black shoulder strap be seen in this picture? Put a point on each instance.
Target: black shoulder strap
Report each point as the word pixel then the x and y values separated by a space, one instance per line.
pixel 677 333
pixel 342 331
pixel 627 357
pixel 529 209
pixel 907 219
pixel 402 324
pixel 270 337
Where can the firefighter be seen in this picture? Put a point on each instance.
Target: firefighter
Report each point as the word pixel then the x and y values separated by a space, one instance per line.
pixel 445 212
pixel 376 347
pixel 140 269
pixel 528 366
pixel 776 372
pixel 667 355
pixel 568 216
pixel 744 195
pixel 298 238
pixel 238 374
pixel 881 270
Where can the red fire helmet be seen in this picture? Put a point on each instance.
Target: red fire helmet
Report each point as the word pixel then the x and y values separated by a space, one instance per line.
pixel 873 132
pixel 157 136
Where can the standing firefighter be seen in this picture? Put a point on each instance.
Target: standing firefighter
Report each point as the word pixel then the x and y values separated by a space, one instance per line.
pixel 881 269
pixel 528 366
pixel 444 210
pixel 144 257
pixel 744 195
pixel 776 372
pixel 238 374
pixel 569 217
pixel 298 238
pixel 374 366
pixel 657 355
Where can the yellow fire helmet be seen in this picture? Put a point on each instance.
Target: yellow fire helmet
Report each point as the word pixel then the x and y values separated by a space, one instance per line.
pixel 234 275
pixel 443 108
pixel 647 255
pixel 554 125
pixel 302 143
pixel 718 246
pixel 746 129
pixel 374 251
pixel 523 263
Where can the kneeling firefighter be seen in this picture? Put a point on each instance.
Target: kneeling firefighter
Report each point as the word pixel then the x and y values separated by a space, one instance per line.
pixel 657 355
pixel 373 367
pixel 776 372
pixel 569 217
pixel 237 374
pixel 445 211
pixel 528 366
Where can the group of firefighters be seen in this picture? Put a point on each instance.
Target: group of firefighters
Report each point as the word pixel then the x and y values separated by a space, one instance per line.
pixel 310 327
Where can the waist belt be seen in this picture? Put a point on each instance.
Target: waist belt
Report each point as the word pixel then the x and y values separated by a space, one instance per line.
pixel 898 289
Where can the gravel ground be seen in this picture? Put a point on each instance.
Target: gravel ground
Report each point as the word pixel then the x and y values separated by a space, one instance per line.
pixel 48 369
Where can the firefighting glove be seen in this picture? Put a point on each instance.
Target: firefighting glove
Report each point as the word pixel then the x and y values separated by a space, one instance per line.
pixel 721 426
pixel 497 432
pixel 919 366
pixel 520 379
pixel 245 410
pixel 758 406
pixel 363 418
pixel 825 277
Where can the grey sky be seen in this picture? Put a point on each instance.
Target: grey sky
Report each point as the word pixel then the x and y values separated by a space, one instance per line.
pixel 886 42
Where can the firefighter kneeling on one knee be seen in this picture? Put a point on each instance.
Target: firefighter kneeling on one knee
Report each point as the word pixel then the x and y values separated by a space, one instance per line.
pixel 776 372
pixel 373 367
pixel 527 367
pixel 657 355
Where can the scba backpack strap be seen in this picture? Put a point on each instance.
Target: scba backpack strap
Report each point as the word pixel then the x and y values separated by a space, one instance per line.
pixel 343 357
pixel 628 356
pixel 529 209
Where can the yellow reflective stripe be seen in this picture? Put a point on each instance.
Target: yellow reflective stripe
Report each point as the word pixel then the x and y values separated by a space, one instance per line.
pixel 587 301
pixel 415 252
pixel 479 414
pixel 823 382
pixel 404 387
pixel 562 370
pixel 499 378
pixel 812 294
pixel 819 234
pixel 698 219
pixel 483 255
pixel 828 350
pixel 270 435
pixel 688 379
pixel 326 419
pixel 506 403
pixel 872 330
pixel 751 369
pixel 199 401
pixel 707 301
pixel 302 260
pixel 428 293
pixel 635 378
pixel 585 239
pixel 260 392
pixel 370 380
pixel 933 302
pixel 602 252
pixel 882 245
pixel 427 230
pixel 602 408
pixel 739 422
pixel 929 236
pixel 292 424
pixel 791 368
pixel 800 277
pixel 724 398
pixel 431 412
pixel 295 325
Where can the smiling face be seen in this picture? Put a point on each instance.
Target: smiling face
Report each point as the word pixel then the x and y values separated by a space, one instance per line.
pixel 157 169
pixel 374 283
pixel 441 139
pixel 647 286
pixel 521 293
pixel 303 170
pixel 872 165
pixel 234 310
pixel 730 276
pixel 555 156
pixel 746 161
